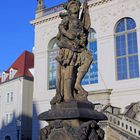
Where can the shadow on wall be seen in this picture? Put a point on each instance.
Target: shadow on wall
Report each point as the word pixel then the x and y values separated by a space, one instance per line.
pixel 19 128
pixel 35 124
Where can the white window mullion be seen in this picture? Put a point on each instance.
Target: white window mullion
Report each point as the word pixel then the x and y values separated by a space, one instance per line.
pixel 127 57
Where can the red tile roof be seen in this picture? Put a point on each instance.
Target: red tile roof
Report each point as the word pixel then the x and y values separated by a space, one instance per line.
pixel 22 64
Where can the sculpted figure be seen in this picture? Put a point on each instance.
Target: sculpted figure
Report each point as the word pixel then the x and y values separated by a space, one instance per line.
pixel 73 59
pixel 40 4
pixel 72 116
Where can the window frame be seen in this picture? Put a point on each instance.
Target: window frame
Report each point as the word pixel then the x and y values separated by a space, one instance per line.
pixel 50 49
pixel 127 55
pixel 93 40
pixel 9 97
pixel 9 117
pixel 12 73
pixel 7 137
pixel 4 77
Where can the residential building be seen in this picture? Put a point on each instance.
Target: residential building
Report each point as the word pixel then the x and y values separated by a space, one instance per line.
pixel 16 92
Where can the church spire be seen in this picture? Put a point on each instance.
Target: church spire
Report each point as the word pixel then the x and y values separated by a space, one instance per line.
pixel 40 6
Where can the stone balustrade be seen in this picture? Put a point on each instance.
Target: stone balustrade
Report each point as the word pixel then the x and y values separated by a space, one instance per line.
pixel 124 123
pixel 59 8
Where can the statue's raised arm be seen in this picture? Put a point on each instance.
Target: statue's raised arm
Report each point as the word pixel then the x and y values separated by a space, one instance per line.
pixel 85 17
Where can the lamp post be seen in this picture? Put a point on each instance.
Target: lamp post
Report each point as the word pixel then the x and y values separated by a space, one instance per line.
pixel 18 124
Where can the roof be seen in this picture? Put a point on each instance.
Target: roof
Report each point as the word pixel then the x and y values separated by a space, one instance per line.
pixel 107 106
pixel 22 64
pixel 129 112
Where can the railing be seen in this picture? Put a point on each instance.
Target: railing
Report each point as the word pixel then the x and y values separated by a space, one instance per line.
pixel 55 9
pixel 128 126
pixel 132 121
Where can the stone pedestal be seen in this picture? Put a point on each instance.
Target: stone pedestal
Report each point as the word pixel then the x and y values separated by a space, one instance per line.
pixel 74 120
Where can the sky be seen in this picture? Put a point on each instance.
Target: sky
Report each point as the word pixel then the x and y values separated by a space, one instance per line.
pixel 16 33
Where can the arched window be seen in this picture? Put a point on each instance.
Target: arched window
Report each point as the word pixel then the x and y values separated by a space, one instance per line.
pixel 52 53
pixel 7 138
pixel 92 75
pixel 127 64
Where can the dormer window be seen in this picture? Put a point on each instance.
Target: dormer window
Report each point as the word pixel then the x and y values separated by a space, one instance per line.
pixel 12 73
pixel 4 76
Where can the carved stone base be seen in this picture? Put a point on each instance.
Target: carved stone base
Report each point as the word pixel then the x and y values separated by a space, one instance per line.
pixel 72 120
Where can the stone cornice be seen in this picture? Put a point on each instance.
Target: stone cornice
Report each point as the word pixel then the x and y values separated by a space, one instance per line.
pixel 92 3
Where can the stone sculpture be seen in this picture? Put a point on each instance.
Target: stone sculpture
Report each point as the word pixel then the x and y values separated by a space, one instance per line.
pixel 74 59
pixel 40 5
pixel 40 2
pixel 72 116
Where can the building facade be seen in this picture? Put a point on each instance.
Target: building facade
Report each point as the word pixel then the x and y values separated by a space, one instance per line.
pixel 114 41
pixel 16 93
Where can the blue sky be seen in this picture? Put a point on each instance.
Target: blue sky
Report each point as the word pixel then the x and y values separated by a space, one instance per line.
pixel 16 33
